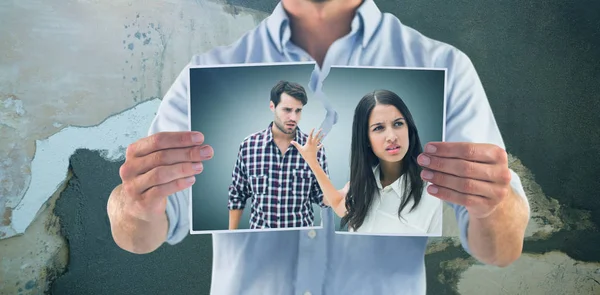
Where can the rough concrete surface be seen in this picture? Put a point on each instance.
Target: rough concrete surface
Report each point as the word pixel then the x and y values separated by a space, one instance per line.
pixel 43 91
pixel 451 271
pixel 97 265
pixel 52 154
pixel 30 263
pixel 550 273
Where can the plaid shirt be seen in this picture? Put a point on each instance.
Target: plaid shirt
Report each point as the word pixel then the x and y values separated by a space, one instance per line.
pixel 282 187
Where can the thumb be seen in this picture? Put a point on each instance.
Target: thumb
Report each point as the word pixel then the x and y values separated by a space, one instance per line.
pixel 295 144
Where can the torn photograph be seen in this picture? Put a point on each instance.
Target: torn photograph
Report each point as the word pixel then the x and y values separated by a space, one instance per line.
pixel 291 152
pixel 385 117
pixel 252 115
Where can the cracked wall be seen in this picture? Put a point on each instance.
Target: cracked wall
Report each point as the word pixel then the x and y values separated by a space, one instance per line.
pixel 60 114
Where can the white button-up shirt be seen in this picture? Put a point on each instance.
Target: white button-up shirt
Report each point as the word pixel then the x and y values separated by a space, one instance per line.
pixel 382 218
pixel 291 262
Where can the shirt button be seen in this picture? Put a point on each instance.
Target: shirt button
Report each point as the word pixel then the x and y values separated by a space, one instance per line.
pixel 312 234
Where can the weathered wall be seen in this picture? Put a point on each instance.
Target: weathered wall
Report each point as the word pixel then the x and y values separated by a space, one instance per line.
pixel 103 66
pixel 77 63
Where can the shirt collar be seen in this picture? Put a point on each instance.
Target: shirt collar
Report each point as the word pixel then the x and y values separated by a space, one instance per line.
pixel 368 17
pixel 395 185
pixel 299 138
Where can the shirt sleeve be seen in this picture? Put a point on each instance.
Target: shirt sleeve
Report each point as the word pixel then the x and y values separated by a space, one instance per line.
pixel 316 192
pixel 172 115
pixel 435 227
pixel 469 118
pixel 239 187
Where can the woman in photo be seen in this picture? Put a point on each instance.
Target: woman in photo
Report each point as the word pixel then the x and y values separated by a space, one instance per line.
pixel 385 194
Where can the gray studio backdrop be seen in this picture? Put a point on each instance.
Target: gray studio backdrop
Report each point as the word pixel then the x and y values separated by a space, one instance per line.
pixel 229 103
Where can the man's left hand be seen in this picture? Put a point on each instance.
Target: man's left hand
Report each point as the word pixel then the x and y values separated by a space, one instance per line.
pixel 469 174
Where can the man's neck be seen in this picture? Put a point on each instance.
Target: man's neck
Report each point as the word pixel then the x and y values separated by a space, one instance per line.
pixel 278 135
pixel 315 26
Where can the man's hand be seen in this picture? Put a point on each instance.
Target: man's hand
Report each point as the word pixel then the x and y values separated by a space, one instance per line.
pixel 469 174
pixel 158 166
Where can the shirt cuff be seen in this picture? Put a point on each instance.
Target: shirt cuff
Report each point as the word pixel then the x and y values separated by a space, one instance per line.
pixel 462 215
pixel 178 217
pixel 235 205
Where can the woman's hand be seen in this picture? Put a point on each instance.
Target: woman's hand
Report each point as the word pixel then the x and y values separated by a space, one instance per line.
pixel 309 150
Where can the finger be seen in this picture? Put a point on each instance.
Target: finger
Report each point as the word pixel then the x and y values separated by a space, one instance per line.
pixel 321 135
pixel 164 140
pixel 318 136
pixel 467 186
pixel 467 169
pixel 319 146
pixel 167 189
pixel 310 135
pixel 458 198
pixel 295 144
pixel 175 156
pixel 137 166
pixel 483 153
pixel 165 174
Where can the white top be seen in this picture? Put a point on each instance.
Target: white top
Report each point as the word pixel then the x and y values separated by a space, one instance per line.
pixel 382 218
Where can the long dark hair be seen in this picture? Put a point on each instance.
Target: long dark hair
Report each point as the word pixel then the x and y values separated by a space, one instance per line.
pixel 362 160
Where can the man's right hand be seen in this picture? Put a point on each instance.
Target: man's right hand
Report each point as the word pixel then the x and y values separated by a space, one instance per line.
pixel 158 166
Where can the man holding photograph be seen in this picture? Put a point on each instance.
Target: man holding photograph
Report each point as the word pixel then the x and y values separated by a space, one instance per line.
pixel 270 171
pixel 469 171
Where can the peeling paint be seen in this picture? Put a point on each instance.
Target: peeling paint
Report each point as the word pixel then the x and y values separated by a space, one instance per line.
pixel 545 217
pixel 52 156
pixel 40 94
pixel 12 105
pixel 30 262
pixel 7 216
pixel 551 273
pixel 458 273
pixel 452 270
